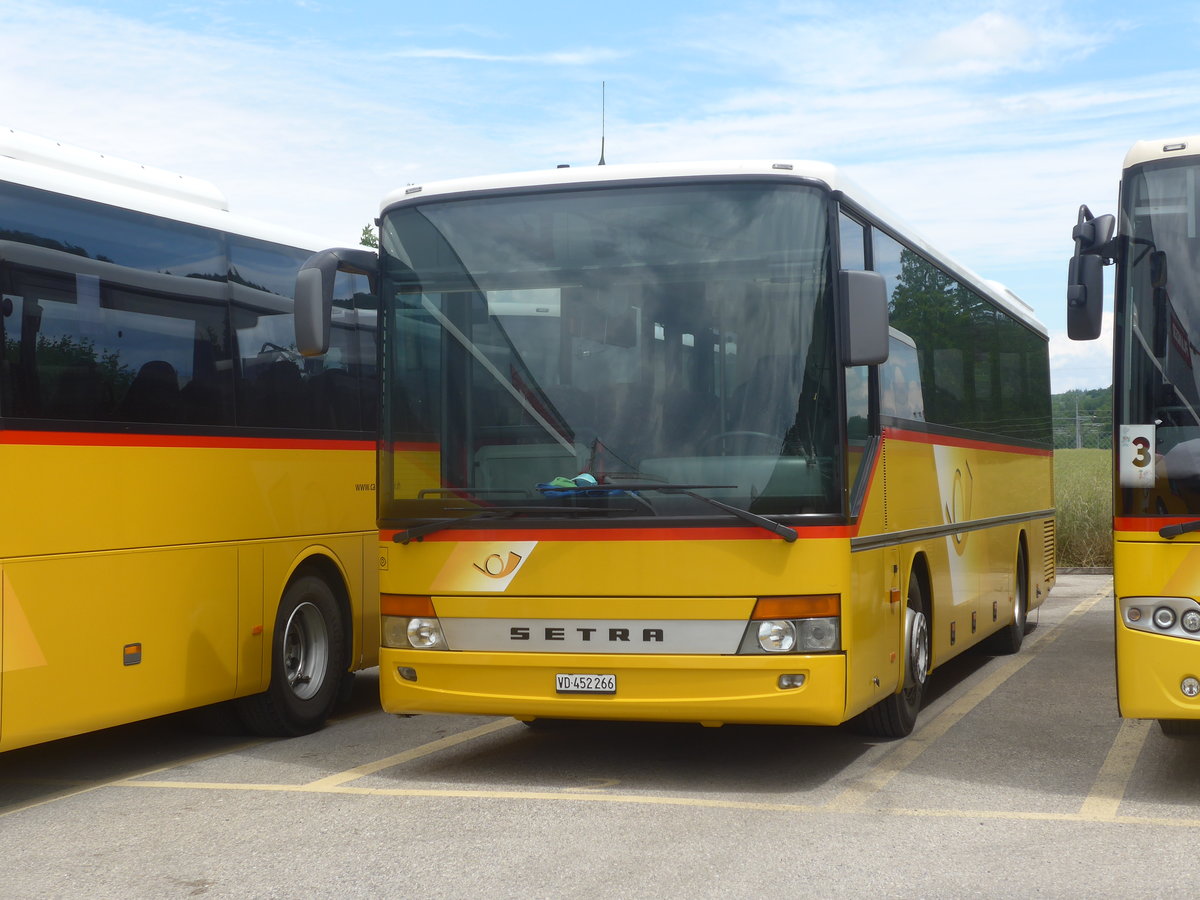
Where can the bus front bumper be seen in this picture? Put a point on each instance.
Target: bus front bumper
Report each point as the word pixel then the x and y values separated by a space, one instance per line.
pixel 1152 669
pixel 712 690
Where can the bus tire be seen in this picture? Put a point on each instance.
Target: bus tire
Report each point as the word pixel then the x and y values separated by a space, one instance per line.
pixel 895 716
pixel 1179 727
pixel 1009 638
pixel 307 662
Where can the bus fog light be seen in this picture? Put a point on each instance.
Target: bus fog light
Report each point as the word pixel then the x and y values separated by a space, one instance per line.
pixel 1190 686
pixel 1164 618
pixel 408 673
pixel 425 634
pixel 777 636
pixel 1190 621
pixel 818 635
pixel 788 682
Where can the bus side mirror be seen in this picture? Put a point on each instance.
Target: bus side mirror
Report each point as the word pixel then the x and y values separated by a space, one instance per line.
pixel 1085 275
pixel 314 294
pixel 864 318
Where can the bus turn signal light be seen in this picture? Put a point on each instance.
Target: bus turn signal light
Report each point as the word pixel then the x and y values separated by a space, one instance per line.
pixel 808 606
pixel 406 605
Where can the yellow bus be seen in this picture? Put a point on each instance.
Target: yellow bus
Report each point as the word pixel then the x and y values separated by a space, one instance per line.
pixel 716 443
pixel 189 510
pixel 1156 408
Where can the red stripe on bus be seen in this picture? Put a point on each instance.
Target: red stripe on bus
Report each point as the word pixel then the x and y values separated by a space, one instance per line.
pixel 1148 523
pixel 110 439
pixel 921 437
pixel 740 533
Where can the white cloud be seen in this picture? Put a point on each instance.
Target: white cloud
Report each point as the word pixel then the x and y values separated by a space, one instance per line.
pixel 1081 365
pixel 835 46
pixel 994 42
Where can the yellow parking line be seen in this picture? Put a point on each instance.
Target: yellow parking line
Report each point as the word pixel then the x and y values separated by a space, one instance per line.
pixel 1105 797
pixel 659 800
pixel 904 753
pixel 89 786
pixel 408 755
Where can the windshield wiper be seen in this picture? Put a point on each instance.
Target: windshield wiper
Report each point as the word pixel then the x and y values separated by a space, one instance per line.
pixel 1170 532
pixel 786 532
pixel 416 532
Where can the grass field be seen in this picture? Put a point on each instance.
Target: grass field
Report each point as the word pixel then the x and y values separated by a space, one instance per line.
pixel 1083 495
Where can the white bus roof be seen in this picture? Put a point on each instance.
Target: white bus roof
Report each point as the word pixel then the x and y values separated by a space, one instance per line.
pixel 38 162
pixel 1166 148
pixel 807 170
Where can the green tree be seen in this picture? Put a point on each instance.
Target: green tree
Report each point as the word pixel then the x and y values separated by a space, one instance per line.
pixel 369 237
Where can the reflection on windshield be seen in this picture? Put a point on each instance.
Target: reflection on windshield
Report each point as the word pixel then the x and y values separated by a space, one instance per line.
pixel 1160 334
pixel 677 335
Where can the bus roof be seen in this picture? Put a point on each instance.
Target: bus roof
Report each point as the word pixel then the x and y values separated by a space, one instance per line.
pixel 805 170
pixel 1163 148
pixel 49 165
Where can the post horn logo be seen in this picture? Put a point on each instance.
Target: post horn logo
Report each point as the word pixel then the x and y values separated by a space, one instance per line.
pixel 496 566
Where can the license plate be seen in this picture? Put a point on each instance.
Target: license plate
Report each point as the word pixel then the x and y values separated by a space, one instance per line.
pixel 585 684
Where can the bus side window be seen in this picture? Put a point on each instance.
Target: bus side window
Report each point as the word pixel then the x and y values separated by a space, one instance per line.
pixel 852 256
pixel 900 380
pixel 851 243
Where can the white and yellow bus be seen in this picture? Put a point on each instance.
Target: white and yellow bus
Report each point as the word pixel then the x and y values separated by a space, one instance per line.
pixel 709 443
pixel 1156 406
pixel 189 505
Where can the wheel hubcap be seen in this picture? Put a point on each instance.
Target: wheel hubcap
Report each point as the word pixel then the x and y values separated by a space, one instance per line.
pixel 917 661
pixel 305 650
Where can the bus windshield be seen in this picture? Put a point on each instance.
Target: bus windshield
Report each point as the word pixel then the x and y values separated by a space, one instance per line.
pixel 1159 313
pixel 547 348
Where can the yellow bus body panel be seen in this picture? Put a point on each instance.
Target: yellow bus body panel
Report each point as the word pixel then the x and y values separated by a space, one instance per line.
pixel 999 496
pixel 1150 667
pixel 141 575
pixel 971 572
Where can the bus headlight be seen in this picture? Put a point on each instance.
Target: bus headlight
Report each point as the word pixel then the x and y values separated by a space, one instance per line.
pixel 818 635
pixel 425 634
pixel 794 624
pixel 777 637
pixel 412 633
pixel 1176 617
pixel 1164 618
pixel 409 622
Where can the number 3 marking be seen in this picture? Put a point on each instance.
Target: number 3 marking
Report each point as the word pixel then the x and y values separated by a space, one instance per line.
pixel 1142 459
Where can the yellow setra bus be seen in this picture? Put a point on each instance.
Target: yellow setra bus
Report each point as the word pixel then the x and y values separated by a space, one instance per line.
pixel 1156 405
pixel 189 505
pixel 712 443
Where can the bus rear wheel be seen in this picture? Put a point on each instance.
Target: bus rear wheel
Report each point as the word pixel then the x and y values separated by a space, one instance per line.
pixel 896 715
pixel 307 662
pixel 1009 638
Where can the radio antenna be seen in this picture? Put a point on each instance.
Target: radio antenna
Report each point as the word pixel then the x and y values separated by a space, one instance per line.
pixel 602 111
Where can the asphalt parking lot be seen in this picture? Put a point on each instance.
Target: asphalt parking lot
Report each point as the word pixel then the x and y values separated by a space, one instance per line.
pixel 1019 781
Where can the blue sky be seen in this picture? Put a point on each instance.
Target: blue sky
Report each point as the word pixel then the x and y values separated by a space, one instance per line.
pixel 984 124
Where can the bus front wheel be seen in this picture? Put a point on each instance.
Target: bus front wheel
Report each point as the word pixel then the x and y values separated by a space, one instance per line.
pixel 896 715
pixel 307 662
